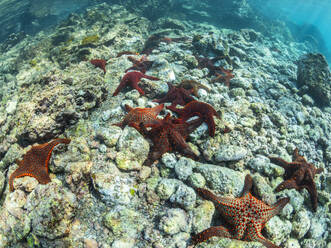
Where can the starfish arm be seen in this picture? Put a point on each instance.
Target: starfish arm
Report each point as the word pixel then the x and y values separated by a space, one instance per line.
pixel 193 124
pixel 287 184
pixel 123 82
pixel 218 231
pixel 157 151
pixel 150 77
pixel 135 86
pixel 247 185
pixel 157 109
pixel 313 194
pixel 128 108
pixel 208 195
pixel 182 146
pixel 290 167
pixel 166 98
pixel 276 208
pixel 211 126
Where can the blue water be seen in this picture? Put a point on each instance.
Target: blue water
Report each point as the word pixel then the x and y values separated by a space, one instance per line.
pixel 306 13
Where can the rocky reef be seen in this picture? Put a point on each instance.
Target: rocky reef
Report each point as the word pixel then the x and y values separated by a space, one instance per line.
pixel 101 193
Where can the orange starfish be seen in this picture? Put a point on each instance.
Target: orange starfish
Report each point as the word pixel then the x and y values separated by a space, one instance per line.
pixel 246 216
pixel 137 115
pixel 35 163
pixel 201 109
pixel 132 79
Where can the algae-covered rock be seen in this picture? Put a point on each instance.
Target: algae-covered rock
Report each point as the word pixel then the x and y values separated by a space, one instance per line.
pixel 278 229
pixel 184 196
pixel 167 187
pixel 132 150
pixel 124 222
pixel 230 153
pixel 51 210
pixel 301 223
pixel 183 168
pixel 222 179
pixel 174 221
pixel 262 164
pixel 314 78
pixel 196 180
pixel 113 186
pixel 202 216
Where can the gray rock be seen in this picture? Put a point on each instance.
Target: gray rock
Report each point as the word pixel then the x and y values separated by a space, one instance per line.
pixel 230 153
pixel 174 221
pixel 51 209
pixel 184 168
pixel 14 152
pixel 169 160
pixel 292 243
pixel 263 190
pixel 166 188
pixel 180 239
pixel 296 199
pixel 132 150
pixel 278 230
pixel 123 243
pixel 318 227
pixel 301 223
pixel 184 196
pixel 307 100
pixel 113 186
pixel 2 181
pixel 125 222
pixel 196 180
pixel 262 165
pixel 222 179
pixel 314 78
pixel 109 135
pixel 202 216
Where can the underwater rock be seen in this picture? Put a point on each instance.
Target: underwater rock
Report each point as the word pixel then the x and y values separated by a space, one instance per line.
pixel 222 179
pixel 113 186
pixel 125 222
pixel 184 196
pixel 196 180
pixel 262 165
pixel 230 153
pixel 166 188
pixel 278 229
pixel 301 223
pixel 132 150
pixel 202 216
pixel 51 210
pixel 314 78
pixel 174 221
pixel 183 168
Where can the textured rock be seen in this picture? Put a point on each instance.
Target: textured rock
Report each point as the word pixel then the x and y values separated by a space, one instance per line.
pixel 301 224
pixel 51 210
pixel 183 168
pixel 202 216
pixel 222 179
pixel 132 150
pixel 230 153
pixel 314 78
pixel 197 180
pixel 174 221
pixel 184 196
pixel 262 164
pixel 114 187
pixel 167 187
pixel 124 222
pixel 278 230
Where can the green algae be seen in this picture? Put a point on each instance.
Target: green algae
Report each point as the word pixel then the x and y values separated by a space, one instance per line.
pixel 90 39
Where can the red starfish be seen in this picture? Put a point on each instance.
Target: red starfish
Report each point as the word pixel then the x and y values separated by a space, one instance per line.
pixel 246 215
pixel 176 95
pixel 142 64
pixel 35 162
pixel 101 63
pixel 169 135
pixel 225 76
pixel 203 110
pixel 132 79
pixel 137 115
pixel 299 175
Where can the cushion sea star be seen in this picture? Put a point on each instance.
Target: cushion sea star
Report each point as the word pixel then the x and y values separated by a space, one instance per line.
pixel 176 95
pixel 132 79
pixel 35 162
pixel 168 135
pixel 136 115
pixel 203 110
pixel 299 175
pixel 246 216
